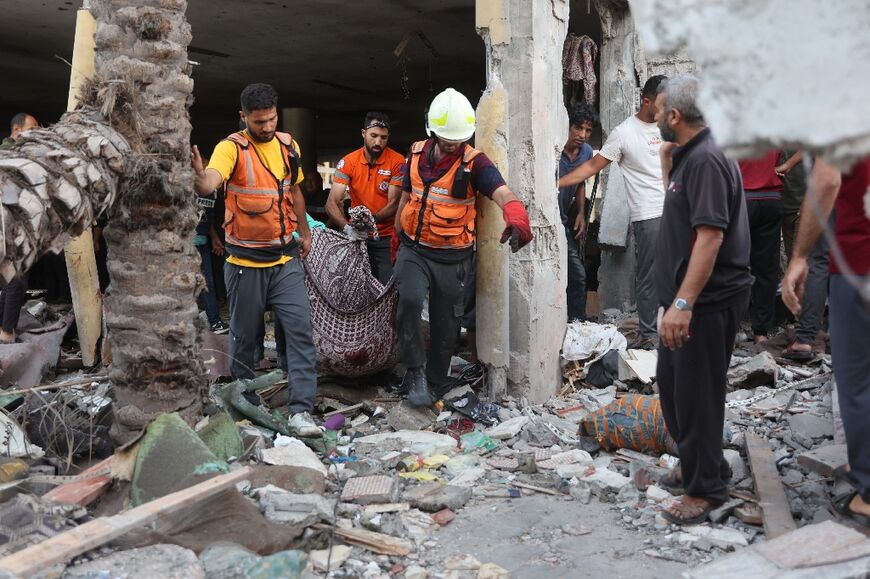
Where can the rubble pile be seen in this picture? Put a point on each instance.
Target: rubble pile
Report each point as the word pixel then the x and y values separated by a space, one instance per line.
pixel 369 498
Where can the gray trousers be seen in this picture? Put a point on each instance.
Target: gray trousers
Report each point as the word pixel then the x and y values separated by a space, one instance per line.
pixel 815 294
pixel 446 284
pixel 249 289
pixel 850 326
pixel 379 259
pixel 576 278
pixel 646 235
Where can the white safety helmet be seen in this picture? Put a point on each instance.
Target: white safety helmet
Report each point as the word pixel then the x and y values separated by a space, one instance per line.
pixel 450 116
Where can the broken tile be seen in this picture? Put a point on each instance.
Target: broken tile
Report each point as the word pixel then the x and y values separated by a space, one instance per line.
pixel 322 558
pixel 443 516
pixel 508 429
pixel 365 490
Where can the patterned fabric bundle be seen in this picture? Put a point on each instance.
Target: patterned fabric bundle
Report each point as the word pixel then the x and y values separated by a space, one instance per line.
pixel 352 313
pixel 634 421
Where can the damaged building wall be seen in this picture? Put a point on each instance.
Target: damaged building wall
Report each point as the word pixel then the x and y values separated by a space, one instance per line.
pixel 524 46
pixel 804 86
pixel 625 66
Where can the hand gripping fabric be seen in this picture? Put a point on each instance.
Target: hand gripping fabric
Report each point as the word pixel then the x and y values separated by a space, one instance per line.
pixel 517 228
pixel 352 313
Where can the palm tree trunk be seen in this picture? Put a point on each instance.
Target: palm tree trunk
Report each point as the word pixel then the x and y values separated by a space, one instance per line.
pixel 142 67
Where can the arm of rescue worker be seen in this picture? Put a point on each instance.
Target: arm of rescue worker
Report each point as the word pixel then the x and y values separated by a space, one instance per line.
pixel 823 188
pixel 580 222
pixel 674 328
pixel 789 164
pixel 403 200
pixel 206 180
pixel 584 171
pixel 301 221
pixel 389 210
pixel 517 229
pixel 334 204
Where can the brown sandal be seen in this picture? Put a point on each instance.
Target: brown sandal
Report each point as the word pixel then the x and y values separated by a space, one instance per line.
pixel 682 513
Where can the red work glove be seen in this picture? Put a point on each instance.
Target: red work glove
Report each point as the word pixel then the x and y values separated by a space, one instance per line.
pixel 394 246
pixel 517 228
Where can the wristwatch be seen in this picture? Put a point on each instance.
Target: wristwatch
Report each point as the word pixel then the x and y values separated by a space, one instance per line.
pixel 682 305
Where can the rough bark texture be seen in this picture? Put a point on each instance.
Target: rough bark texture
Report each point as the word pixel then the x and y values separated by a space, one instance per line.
pixel 53 183
pixel 146 90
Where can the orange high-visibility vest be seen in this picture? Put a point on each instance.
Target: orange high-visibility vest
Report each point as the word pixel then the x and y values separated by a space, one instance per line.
pixel 259 207
pixel 441 213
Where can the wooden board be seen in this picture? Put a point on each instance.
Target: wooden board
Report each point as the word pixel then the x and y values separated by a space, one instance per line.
pixel 377 542
pixel 83 492
pixel 825 459
pixel 768 486
pixel 63 547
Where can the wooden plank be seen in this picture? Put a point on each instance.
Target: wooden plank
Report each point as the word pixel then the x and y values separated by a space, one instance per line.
pixel 83 492
pixel 825 459
pixel 345 410
pixel 387 508
pixel 376 542
pixel 520 485
pixel 768 486
pixel 63 547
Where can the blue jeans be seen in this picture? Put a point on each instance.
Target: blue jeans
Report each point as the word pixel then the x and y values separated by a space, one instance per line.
pixel 209 299
pixel 576 279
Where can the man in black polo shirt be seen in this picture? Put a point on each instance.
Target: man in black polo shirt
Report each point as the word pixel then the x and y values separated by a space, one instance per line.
pixel 703 282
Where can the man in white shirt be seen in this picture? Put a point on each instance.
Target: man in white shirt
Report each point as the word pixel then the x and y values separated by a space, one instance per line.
pixel 634 144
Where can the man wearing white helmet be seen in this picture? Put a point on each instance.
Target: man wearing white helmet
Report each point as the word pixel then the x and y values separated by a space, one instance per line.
pixel 435 222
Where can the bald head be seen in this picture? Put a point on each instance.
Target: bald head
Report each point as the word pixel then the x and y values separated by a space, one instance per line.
pixel 20 123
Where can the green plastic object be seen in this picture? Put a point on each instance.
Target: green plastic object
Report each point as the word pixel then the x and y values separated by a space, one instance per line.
pixel 477 440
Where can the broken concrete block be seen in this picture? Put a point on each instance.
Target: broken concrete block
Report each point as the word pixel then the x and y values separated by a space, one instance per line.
pixel 432 497
pixel 403 416
pixel 416 572
pixel 575 456
pixel 606 480
pixel 656 494
pixel 443 517
pixel 366 490
pixel 418 525
pixel 825 459
pixel 152 562
pixel 569 471
pixel 720 514
pixel 223 560
pixel 402 439
pixel 724 538
pixel 759 370
pixel 290 478
pixel 294 454
pixel 503 463
pixel 323 559
pixel 468 477
pixel 492 571
pixel 811 426
pixel 280 506
pixel 508 429
pixel 221 436
pixel 462 563
pixel 738 465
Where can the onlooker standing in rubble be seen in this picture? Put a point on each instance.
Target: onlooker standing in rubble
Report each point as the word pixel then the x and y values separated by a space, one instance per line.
pixel 809 322
pixel 634 145
pixel 849 289
pixel 572 204
pixel 206 242
pixel 12 296
pixel 762 187
pixel 436 225
pixel 372 176
pixel 703 281
pixel 264 207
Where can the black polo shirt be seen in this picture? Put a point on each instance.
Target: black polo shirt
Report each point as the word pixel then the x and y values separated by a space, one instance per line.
pixel 705 189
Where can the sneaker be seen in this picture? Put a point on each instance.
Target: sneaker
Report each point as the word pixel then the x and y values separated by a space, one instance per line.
pixel 219 327
pixel 301 424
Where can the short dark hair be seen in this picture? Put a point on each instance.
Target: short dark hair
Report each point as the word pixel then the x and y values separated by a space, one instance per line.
pixel 375 116
pixel 651 87
pixel 258 97
pixel 19 120
pixel 578 114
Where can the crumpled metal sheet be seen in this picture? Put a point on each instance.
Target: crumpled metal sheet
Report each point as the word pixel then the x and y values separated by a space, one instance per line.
pixel 25 364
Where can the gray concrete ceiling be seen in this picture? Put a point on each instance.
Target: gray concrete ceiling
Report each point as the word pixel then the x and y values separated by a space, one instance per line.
pixel 333 56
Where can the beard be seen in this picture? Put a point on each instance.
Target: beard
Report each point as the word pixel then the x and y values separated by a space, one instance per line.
pixel 668 134
pixel 373 152
pixel 261 137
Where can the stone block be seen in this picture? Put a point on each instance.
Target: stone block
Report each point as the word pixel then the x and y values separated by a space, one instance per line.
pixel 656 494
pixel 416 572
pixel 811 426
pixel 725 538
pixel 403 439
pixel 322 557
pixel 569 471
pixel 606 480
pixel 443 517
pixel 403 416
pixel 760 370
pixel 433 497
pixel 738 465
pixel 508 429
pixel 280 506
pixel 293 454
pixel 366 490
pixel 825 459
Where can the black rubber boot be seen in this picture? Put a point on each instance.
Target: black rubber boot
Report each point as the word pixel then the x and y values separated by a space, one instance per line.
pixel 419 394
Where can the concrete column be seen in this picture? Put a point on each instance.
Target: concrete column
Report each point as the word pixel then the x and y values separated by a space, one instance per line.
pixel 302 124
pixel 81 263
pixel 523 116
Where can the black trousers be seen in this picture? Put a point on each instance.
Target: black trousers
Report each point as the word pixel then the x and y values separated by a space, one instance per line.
pixel 692 383
pixel 12 298
pixel 765 229
pixel 445 284
pixel 379 259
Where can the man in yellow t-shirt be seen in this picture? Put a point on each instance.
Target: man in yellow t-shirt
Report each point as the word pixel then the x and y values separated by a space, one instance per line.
pixel 264 207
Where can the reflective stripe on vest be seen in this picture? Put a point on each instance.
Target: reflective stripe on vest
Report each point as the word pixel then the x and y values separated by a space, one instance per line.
pixel 441 213
pixel 259 206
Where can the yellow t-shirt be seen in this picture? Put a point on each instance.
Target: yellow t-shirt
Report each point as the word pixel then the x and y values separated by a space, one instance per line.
pixel 223 160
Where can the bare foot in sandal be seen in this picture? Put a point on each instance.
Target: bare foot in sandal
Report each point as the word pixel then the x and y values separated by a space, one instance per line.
pixel 798 351
pixel 688 510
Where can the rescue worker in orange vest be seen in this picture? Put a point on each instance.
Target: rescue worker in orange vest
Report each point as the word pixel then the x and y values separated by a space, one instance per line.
pixel 436 224
pixel 372 176
pixel 264 206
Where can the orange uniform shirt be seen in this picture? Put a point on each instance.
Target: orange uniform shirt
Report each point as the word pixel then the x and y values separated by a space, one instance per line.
pixel 369 184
